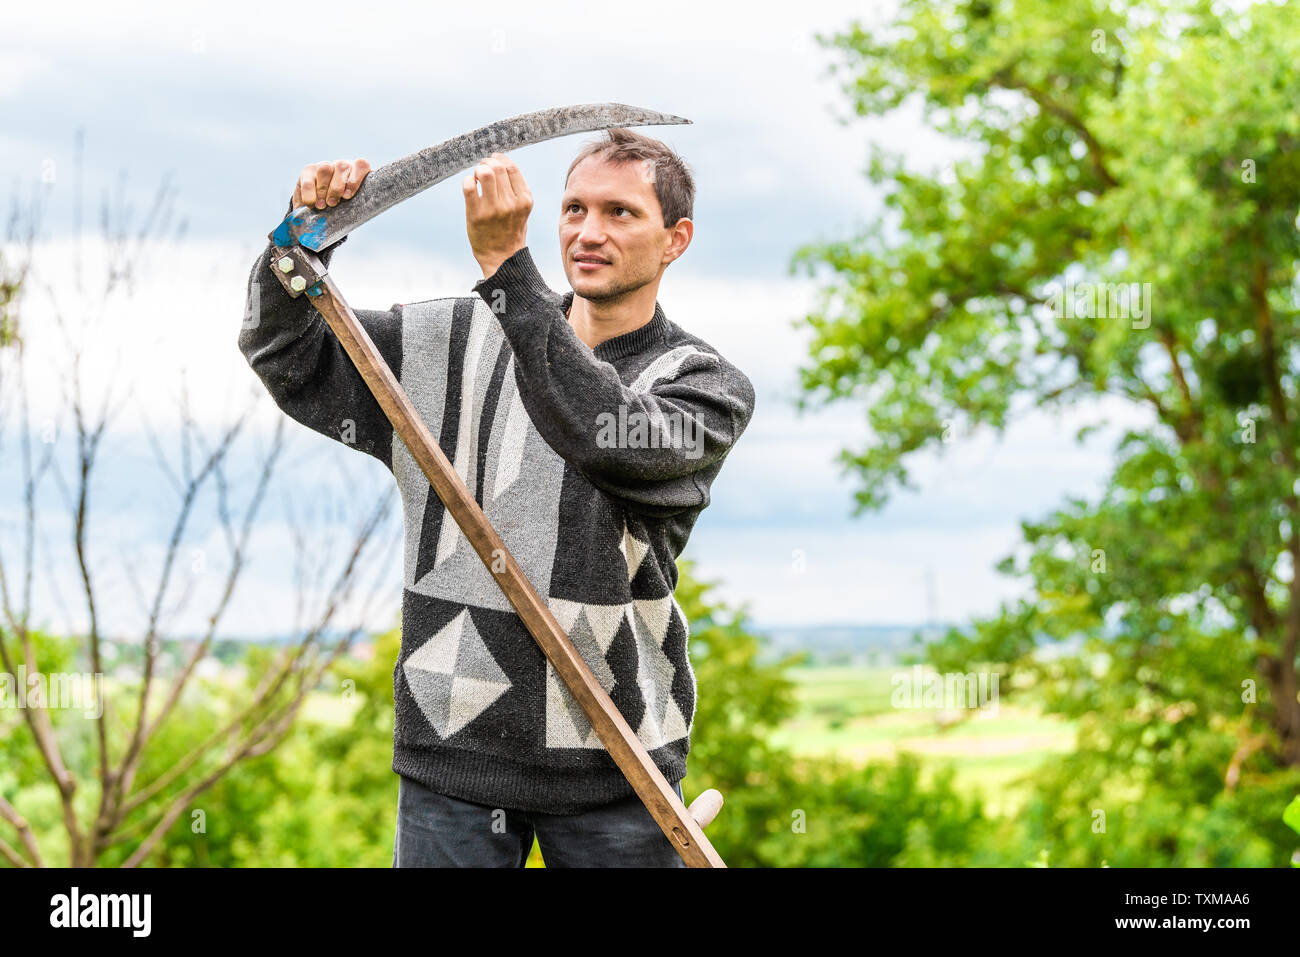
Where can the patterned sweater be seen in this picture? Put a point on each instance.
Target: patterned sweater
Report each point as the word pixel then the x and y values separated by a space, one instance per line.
pixel 592 464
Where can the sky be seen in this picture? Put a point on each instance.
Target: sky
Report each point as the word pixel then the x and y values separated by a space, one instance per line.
pixel 224 103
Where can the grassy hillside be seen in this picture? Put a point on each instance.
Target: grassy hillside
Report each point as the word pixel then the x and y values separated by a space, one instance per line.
pixel 846 711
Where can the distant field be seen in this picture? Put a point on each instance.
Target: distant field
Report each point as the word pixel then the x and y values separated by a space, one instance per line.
pixel 846 711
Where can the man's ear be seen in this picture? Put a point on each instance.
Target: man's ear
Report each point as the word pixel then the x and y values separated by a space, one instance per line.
pixel 680 238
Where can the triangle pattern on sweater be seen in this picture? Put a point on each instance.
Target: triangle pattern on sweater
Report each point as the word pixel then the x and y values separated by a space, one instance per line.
pixel 634 551
pixel 662 721
pixel 454 677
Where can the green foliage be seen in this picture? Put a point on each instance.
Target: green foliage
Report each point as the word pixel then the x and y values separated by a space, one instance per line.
pixel 1100 143
pixel 327 796
pixel 786 812
pixel 24 780
pixel 1147 143
pixel 11 285
pixel 1291 817
pixel 880 815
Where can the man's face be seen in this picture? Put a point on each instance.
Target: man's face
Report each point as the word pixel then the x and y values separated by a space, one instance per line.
pixel 612 233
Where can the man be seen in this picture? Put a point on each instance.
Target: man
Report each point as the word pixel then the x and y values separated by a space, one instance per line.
pixel 589 428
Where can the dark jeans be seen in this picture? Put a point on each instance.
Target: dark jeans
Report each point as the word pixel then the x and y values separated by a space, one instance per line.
pixel 435 830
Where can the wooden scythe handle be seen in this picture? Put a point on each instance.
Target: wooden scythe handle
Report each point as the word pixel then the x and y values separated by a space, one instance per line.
pixel 678 825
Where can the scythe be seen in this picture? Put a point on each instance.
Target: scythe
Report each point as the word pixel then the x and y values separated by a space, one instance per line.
pixel 305 232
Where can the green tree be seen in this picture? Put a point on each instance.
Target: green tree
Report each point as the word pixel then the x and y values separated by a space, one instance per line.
pixel 1125 226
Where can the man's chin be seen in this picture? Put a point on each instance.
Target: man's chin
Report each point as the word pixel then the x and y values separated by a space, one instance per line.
pixel 594 289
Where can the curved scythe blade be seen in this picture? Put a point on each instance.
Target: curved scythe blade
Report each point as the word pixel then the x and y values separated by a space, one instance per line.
pixel 385 187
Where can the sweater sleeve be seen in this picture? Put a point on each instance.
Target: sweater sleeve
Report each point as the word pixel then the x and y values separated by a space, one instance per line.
pixel 656 446
pixel 304 367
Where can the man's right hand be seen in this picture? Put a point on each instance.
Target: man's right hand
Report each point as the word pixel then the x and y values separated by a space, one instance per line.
pixel 324 184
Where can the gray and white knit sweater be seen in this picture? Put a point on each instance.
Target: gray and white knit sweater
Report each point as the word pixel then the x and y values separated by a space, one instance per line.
pixel 592 464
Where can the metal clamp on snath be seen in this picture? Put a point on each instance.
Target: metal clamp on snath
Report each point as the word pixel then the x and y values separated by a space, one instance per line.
pixel 299 270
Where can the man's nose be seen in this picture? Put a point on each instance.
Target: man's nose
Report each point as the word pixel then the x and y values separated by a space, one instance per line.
pixel 592 232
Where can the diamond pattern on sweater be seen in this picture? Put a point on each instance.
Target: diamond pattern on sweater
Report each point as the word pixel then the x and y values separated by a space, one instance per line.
pixel 591 628
pixel 663 720
pixel 454 677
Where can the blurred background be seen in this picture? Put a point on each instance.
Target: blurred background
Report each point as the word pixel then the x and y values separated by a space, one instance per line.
pixel 1002 572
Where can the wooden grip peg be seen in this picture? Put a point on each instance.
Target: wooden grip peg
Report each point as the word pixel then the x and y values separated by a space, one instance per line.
pixel 706 807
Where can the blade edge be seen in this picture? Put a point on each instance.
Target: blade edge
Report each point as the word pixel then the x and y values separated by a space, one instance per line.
pixel 398 181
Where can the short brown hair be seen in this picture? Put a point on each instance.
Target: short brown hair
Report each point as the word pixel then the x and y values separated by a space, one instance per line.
pixel 674 186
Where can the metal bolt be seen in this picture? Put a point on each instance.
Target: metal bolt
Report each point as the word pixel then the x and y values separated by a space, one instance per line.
pixel 286 264
pixel 297 284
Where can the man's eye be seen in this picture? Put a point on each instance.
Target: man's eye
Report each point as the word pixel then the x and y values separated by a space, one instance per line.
pixel 621 209
pixel 571 207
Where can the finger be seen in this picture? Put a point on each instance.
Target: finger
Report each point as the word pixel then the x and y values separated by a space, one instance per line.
pixel 487 181
pixel 469 186
pixel 501 175
pixel 518 185
pixel 359 170
pixel 515 177
pixel 324 173
pixel 338 182
pixel 307 185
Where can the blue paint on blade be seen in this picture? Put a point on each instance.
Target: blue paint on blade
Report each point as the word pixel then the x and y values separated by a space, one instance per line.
pixel 282 236
pixel 313 237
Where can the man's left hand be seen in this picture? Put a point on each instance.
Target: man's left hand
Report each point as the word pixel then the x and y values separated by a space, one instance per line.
pixel 497 221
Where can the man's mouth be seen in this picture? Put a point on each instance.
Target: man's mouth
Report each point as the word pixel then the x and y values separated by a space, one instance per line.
pixel 588 263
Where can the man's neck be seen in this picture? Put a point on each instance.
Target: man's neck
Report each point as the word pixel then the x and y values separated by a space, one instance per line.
pixel 596 322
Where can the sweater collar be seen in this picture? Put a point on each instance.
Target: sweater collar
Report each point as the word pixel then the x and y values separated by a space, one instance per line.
pixel 629 343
